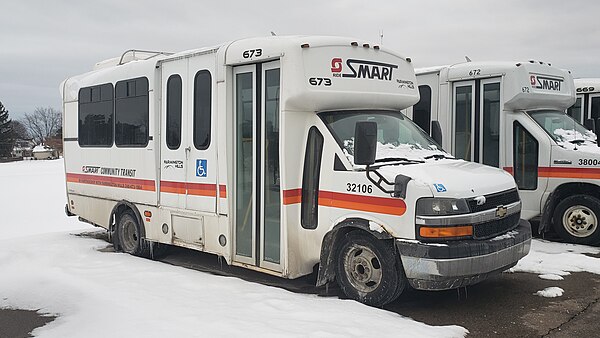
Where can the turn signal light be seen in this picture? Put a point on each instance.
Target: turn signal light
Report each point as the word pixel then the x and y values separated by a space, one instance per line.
pixel 148 213
pixel 461 231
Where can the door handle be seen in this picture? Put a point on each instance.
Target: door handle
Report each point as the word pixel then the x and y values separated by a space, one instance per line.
pixel 187 152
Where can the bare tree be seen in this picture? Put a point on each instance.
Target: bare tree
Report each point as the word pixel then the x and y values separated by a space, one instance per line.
pixel 43 123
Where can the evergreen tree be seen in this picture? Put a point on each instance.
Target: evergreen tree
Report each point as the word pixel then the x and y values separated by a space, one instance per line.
pixel 6 134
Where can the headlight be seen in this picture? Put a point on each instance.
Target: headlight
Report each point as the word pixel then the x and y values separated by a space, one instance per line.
pixel 434 206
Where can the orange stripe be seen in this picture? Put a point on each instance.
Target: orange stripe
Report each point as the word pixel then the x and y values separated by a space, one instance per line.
pixel 381 205
pixel 195 189
pixel 565 172
pixel 115 182
pixel 292 196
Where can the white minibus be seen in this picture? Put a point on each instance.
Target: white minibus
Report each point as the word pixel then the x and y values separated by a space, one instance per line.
pixel 511 115
pixel 282 154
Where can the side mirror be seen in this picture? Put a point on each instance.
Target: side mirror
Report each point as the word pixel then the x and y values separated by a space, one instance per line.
pixel 365 142
pixel 590 125
pixel 436 132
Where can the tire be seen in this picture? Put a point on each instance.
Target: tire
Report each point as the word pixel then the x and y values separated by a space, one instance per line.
pixel 129 237
pixel 368 270
pixel 576 219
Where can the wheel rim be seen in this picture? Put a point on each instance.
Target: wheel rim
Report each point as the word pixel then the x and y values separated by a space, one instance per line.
pixel 362 268
pixel 580 221
pixel 129 236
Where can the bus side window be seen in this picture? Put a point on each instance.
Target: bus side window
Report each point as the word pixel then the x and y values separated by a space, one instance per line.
pixel 174 104
pixel 422 110
pixel 202 107
pixel 310 179
pixel 132 113
pixel 525 158
pixel 595 112
pixel 96 115
pixel 575 111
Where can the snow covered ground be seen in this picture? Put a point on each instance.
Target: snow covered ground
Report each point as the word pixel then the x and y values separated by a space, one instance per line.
pixel 97 294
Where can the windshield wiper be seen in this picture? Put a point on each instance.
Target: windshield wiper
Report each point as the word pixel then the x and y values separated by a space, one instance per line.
pixel 396 159
pixel 439 157
pixel 578 141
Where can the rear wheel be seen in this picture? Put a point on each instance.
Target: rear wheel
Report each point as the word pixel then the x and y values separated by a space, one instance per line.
pixel 576 219
pixel 130 240
pixel 368 269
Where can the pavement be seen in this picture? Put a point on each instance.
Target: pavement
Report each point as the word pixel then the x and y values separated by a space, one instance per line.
pixel 502 306
pixel 19 323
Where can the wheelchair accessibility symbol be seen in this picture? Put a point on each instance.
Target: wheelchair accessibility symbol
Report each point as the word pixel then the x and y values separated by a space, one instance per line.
pixel 439 187
pixel 201 168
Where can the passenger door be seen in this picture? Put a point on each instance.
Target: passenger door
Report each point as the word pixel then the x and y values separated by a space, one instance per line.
pixel 201 155
pixel 477 121
pixel 257 180
pixel 173 164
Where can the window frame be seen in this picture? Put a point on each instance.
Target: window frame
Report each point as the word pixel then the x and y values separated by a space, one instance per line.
pixel 112 134
pixel 196 118
pixel 315 138
pixel 179 113
pixel 425 105
pixel 517 124
pixel 147 113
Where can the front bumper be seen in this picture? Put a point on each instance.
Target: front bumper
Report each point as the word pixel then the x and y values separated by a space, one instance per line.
pixel 432 266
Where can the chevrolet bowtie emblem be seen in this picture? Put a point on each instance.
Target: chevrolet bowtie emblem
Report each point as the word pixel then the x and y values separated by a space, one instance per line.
pixel 501 211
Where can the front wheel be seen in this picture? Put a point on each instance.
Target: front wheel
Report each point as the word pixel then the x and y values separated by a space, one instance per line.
pixel 368 270
pixel 576 219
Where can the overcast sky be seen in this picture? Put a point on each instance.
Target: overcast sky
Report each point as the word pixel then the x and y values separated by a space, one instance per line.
pixel 43 42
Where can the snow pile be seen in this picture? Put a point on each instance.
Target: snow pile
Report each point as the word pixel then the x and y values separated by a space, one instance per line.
pixel 375 227
pixel 99 294
pixel 551 276
pixel 569 135
pixel 551 292
pixel 40 148
pixel 558 259
pixel 510 234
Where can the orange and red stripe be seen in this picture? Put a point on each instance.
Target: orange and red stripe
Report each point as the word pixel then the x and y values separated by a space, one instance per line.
pixel 115 182
pixel 564 172
pixel 196 189
pixel 380 205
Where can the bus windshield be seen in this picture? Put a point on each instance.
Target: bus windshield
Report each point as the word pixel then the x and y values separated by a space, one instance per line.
pixel 397 135
pixel 562 127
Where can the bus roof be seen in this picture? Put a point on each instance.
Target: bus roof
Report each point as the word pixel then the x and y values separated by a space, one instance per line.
pixel 526 85
pixel 587 85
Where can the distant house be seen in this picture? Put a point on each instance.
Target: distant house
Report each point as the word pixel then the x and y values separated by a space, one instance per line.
pixel 44 152
pixel 22 148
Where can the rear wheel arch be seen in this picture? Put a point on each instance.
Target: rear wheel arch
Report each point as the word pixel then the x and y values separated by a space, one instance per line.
pixel 120 208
